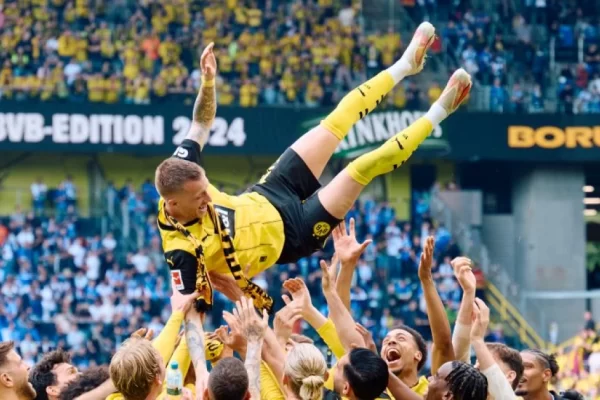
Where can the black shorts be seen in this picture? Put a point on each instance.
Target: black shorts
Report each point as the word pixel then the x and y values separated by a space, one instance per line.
pixel 292 189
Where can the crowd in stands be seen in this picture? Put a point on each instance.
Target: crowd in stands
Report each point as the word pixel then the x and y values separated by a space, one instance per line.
pixel 67 285
pixel 278 53
pixel 75 290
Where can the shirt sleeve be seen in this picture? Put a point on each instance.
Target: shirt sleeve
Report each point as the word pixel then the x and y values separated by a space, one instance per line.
pixel 165 342
pixel 183 267
pixel 189 150
pixel 498 385
pixel 329 335
pixel 269 388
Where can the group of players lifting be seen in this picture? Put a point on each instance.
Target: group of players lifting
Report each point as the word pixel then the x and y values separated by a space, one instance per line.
pixel 209 235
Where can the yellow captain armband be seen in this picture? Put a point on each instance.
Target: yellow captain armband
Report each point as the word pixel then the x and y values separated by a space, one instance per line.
pixel 208 82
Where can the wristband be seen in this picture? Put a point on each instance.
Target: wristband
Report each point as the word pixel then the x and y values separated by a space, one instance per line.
pixel 208 82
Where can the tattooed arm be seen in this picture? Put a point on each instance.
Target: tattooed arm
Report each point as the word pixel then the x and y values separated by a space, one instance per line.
pixel 194 335
pixel 205 107
pixel 254 329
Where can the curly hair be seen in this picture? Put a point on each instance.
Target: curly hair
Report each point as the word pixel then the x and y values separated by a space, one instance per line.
pixel 42 374
pixel 466 382
pixel 87 381
pixel 548 361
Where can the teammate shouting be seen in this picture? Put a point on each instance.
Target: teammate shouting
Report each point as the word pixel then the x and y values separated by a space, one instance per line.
pixel 286 215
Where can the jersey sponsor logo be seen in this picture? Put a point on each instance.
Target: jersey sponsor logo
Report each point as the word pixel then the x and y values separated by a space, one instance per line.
pixel 321 229
pixel 181 153
pixel 177 279
pixel 228 217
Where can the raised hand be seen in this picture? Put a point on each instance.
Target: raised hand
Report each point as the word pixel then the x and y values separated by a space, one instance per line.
pixel 346 246
pixel 182 302
pixel 481 320
pixel 299 292
pixel 143 333
pixel 233 339
pixel 464 274
pixel 329 274
pixel 426 259
pixel 285 319
pixel 208 62
pixel 253 327
pixel 367 337
pixel 226 284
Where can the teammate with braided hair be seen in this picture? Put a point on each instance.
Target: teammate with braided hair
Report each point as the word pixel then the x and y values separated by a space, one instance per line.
pixel 457 380
pixel 540 368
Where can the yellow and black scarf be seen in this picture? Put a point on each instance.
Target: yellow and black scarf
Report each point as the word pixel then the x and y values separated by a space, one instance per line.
pixel 203 285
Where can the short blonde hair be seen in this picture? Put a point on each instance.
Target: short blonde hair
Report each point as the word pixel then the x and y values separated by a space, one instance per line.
pixel 134 368
pixel 173 173
pixel 305 369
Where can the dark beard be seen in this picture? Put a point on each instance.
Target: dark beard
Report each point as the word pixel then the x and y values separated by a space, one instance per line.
pixel 521 393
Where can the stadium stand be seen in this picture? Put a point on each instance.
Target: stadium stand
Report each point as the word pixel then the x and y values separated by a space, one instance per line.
pixel 286 53
pixel 66 286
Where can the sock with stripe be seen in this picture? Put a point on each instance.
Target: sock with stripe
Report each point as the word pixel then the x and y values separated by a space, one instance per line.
pixel 391 154
pixel 358 103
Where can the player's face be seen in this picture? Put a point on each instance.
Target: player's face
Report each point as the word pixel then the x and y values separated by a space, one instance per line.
pixel 65 373
pixel 194 199
pixel 438 386
pixel 400 351
pixel 340 385
pixel 534 377
pixel 16 376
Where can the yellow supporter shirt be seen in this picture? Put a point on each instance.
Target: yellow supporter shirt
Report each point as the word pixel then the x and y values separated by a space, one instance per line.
pixel 329 335
pixel 269 388
pixel 255 226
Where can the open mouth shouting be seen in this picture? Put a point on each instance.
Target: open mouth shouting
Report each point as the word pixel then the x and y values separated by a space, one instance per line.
pixel 392 357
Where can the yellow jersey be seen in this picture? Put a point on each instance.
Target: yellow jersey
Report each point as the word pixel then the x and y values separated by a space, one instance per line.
pixel 254 225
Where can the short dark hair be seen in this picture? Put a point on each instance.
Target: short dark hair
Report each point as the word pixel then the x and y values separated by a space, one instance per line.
pixel 42 375
pixel 547 360
pixel 5 348
pixel 510 357
pixel 421 343
pixel 366 373
pixel 87 381
pixel 466 382
pixel 228 380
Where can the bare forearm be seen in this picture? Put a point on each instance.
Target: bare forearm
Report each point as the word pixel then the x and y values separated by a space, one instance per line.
pixel 440 326
pixel 461 337
pixel 274 355
pixel 252 363
pixel 466 308
pixel 205 109
pixel 343 321
pixel 194 335
pixel 344 283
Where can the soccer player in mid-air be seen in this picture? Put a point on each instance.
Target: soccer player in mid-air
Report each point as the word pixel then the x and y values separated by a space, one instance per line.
pixel 286 215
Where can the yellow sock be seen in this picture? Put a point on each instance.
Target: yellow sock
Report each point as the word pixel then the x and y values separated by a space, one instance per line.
pixel 357 104
pixel 391 154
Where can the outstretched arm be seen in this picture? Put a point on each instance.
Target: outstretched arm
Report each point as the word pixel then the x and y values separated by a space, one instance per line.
pixel 461 341
pixel 349 251
pixel 194 335
pixel 440 327
pixel 498 385
pixel 205 107
pixel 339 314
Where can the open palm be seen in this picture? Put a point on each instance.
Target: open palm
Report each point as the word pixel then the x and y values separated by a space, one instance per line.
pixel 346 246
